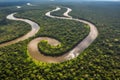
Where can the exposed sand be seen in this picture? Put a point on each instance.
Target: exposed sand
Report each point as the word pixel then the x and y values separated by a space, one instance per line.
pixel 18 7
pixel 33 45
pixel 35 28
pixel 34 52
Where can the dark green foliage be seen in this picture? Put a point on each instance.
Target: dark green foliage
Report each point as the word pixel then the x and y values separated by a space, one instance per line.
pixel 101 61
pixel 68 32
pixel 50 50
pixel 10 30
pixel 13 30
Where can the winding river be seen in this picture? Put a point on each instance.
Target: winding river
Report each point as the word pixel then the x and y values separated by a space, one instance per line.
pixel 35 28
pixel 33 45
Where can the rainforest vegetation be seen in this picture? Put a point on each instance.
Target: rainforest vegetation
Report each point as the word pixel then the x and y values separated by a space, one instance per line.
pixel 99 61
pixel 69 33
pixel 13 30
pixel 10 30
pixel 60 12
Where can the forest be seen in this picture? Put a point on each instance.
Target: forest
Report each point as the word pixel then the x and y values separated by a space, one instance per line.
pixel 100 61
pixel 68 34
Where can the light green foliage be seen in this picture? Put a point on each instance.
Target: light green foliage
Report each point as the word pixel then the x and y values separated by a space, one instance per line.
pixel 100 61
pixel 48 49
pixel 68 32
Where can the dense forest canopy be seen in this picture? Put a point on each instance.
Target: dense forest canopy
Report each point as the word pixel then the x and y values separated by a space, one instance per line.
pixel 101 60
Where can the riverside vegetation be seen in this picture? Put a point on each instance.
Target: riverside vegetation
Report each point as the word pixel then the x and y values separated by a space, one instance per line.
pixel 99 61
